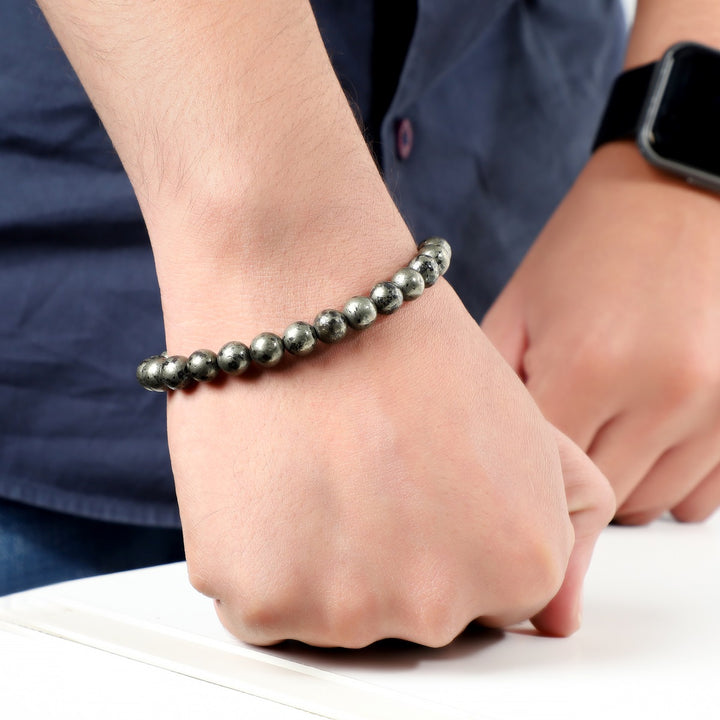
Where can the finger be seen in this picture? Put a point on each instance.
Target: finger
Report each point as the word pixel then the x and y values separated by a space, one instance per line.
pixel 255 631
pixel 577 409
pixel 591 504
pixel 626 448
pixel 702 502
pixel 504 324
pixel 673 477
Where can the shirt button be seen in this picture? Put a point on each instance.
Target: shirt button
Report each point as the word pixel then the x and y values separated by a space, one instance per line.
pixel 404 138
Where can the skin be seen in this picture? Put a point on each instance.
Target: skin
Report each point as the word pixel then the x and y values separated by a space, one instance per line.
pixel 613 318
pixel 402 484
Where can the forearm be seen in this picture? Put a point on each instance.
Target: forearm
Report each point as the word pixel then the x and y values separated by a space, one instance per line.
pixel 245 156
pixel 661 23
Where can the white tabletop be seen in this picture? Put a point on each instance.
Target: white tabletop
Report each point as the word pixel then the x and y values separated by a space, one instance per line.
pixel 145 645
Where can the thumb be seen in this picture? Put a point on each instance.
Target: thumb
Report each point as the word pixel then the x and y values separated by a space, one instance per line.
pixel 591 504
pixel 504 324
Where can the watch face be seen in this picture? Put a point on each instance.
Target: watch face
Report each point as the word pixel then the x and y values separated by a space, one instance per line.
pixel 683 123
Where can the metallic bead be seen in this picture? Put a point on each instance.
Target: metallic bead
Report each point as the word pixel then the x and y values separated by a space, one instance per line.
pixel 175 373
pixel 438 254
pixel 427 267
pixel 330 326
pixel 410 282
pixel 149 373
pixel 300 338
pixel 203 366
pixel 444 244
pixel 387 297
pixel 360 312
pixel 141 371
pixel 233 358
pixel 267 349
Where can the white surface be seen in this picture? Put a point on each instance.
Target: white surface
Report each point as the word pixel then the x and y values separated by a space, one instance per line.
pixel 45 677
pixel 650 648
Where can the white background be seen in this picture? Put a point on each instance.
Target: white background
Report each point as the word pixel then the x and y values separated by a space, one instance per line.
pixel 629 6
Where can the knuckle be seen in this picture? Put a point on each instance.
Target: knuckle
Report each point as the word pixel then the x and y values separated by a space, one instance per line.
pixel 257 628
pixel 247 608
pixel 202 580
pixel 549 572
pixel 534 554
pixel 440 629
pixel 207 573
pixel 691 378
pixel 540 568
pixel 598 358
pixel 260 618
pixel 351 620
pixel 436 622
pixel 440 637
pixel 260 614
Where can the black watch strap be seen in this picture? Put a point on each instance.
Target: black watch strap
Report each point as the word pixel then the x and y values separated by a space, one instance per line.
pixel 623 112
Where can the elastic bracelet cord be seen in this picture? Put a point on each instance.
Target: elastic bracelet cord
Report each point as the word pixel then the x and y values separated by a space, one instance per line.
pixel 176 372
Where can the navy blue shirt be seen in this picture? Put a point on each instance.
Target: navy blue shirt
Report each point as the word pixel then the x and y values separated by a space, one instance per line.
pixel 480 114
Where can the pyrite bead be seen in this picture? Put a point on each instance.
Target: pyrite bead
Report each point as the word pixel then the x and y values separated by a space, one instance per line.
pixel 175 373
pixel 234 358
pixel 438 254
pixel 410 282
pixel 300 338
pixel 267 349
pixel 387 297
pixel 149 373
pixel 442 242
pixel 330 326
pixel 203 366
pixel 427 267
pixel 360 312
pixel 141 372
pixel 161 372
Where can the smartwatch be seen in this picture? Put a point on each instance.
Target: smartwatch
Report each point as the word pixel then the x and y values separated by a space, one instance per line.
pixel 672 110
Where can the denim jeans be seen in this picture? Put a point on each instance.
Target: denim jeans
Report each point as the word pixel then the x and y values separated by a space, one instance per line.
pixel 40 547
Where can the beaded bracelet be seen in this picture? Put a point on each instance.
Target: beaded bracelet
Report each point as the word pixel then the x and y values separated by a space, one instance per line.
pixel 175 372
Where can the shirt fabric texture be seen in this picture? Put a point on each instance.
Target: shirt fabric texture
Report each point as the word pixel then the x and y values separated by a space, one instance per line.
pixel 496 103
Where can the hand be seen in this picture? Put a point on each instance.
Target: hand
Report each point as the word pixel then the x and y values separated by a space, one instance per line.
pixel 401 484
pixel 613 321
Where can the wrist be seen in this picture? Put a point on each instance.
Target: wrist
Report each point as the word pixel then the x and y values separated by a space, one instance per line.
pixel 622 161
pixel 240 270
pixel 661 23
pixel 621 167
pixel 330 326
pixel 640 207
